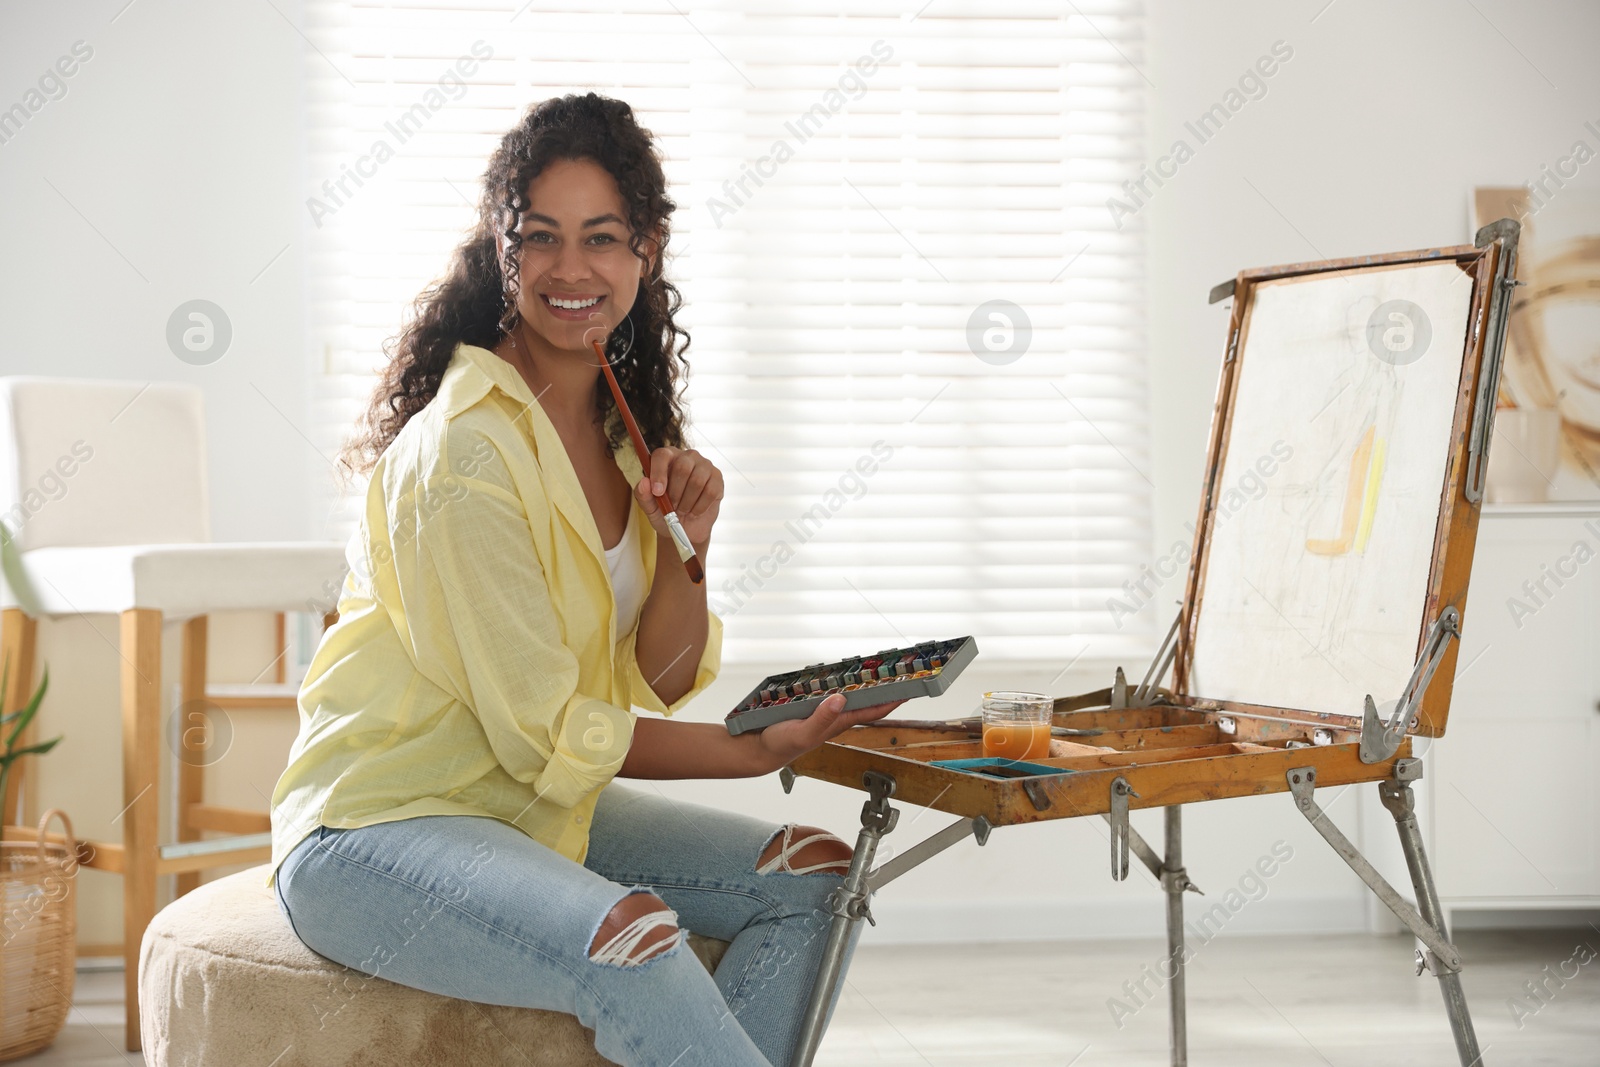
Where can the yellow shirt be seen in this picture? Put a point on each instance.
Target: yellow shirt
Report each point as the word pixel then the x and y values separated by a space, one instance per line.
pixel 475 668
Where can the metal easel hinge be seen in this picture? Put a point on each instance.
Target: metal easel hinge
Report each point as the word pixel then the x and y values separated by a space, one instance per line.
pixel 1427 961
pixel 848 905
pixel 1222 291
pixel 1120 792
pixel 849 900
pixel 876 813
pixel 1176 880
pixel 1153 863
pixel 1379 739
pixel 1233 346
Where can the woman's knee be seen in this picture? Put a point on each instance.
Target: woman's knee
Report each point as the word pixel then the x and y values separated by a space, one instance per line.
pixel 638 928
pixel 805 850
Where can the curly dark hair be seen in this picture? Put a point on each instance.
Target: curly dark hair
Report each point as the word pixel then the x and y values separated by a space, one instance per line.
pixel 475 301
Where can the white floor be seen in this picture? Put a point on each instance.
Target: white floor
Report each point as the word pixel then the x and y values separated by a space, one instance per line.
pixel 1253 1002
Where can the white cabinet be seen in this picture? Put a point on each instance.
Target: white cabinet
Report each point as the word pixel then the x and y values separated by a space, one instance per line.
pixel 1515 801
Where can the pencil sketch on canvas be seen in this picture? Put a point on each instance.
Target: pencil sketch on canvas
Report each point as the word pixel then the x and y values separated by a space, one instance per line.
pixel 1316 576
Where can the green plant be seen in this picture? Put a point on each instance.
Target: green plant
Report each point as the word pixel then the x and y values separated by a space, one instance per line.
pixel 17 580
pixel 21 718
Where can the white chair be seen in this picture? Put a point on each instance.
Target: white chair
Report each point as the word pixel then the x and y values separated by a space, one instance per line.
pixel 103 485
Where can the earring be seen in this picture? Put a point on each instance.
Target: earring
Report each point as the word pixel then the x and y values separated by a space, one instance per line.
pixel 505 302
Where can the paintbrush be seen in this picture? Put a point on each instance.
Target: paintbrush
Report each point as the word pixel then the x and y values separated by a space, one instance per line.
pixel 972 725
pixel 686 552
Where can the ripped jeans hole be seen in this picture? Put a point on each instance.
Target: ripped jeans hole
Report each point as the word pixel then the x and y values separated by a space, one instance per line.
pixel 781 859
pixel 623 949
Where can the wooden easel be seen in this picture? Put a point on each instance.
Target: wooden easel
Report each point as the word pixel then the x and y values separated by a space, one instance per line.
pixel 1146 746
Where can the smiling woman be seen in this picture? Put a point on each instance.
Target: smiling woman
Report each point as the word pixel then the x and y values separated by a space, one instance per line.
pixel 506 612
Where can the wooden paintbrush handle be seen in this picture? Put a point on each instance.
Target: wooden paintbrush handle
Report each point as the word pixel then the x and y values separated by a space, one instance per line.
pixel 680 539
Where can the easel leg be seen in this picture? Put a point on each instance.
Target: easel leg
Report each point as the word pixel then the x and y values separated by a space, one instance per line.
pixel 849 906
pixel 1400 801
pixel 1174 881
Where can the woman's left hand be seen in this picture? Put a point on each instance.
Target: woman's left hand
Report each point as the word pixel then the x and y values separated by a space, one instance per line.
pixel 788 739
pixel 694 485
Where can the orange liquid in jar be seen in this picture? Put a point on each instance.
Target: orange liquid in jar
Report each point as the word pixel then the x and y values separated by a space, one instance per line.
pixel 1016 740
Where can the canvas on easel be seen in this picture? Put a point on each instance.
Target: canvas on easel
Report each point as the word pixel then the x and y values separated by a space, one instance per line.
pixel 1322 610
pixel 1315 598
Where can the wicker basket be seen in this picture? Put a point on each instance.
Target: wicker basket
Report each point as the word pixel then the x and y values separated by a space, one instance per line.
pixel 38 939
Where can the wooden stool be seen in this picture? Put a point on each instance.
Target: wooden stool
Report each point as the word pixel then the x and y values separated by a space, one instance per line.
pixel 226 981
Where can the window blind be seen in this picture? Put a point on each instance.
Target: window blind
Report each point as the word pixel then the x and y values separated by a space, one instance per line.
pixel 855 189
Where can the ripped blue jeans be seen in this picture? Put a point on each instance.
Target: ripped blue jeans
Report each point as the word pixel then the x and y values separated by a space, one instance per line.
pixel 471 907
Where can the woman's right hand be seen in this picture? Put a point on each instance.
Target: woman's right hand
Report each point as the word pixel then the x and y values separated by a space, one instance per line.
pixel 693 484
pixel 789 739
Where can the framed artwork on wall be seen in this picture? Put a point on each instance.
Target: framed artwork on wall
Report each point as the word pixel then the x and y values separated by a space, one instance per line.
pixel 1547 431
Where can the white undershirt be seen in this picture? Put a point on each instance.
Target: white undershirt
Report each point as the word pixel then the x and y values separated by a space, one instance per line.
pixel 627 578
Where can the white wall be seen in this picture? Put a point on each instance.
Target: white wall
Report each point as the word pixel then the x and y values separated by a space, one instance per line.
pixel 179 142
pixel 170 170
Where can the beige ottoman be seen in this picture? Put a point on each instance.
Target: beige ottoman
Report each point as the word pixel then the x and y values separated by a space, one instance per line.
pixel 224 982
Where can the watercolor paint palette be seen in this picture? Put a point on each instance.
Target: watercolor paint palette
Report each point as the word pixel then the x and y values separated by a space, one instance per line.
pixel 922 670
